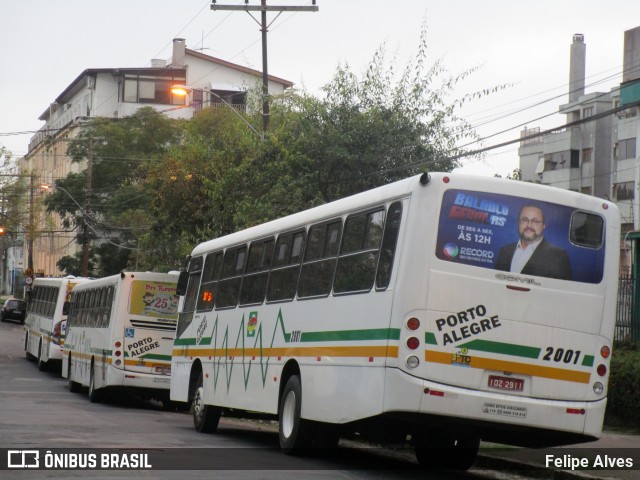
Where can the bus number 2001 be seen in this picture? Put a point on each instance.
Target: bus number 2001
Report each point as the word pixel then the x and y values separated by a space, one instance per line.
pixel 562 355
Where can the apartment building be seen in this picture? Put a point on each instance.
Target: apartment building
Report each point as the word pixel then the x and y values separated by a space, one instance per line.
pixel 599 156
pixel 116 93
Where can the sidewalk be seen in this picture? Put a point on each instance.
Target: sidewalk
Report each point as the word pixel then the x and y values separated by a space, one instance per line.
pixel 613 448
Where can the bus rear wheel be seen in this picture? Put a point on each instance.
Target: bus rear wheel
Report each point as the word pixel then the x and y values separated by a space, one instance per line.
pixel 74 387
pixel 451 452
pixel 296 433
pixel 95 395
pixel 26 347
pixel 205 417
pixel 42 365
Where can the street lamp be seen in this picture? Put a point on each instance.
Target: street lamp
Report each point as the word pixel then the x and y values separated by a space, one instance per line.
pixel 184 90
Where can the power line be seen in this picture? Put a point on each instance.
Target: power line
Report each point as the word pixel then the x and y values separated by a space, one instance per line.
pixel 264 26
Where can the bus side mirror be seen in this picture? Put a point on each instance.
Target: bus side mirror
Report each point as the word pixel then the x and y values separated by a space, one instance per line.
pixel 183 279
pixel 66 307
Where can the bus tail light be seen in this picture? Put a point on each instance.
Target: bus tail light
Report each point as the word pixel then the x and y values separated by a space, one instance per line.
pixel 413 343
pixel 117 353
pixel 602 370
pixel 413 324
pixel 605 352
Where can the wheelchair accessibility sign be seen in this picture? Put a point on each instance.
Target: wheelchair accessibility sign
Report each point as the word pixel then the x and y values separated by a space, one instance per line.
pixel 130 332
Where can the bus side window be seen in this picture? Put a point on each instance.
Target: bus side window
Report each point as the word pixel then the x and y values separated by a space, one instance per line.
pixel 186 316
pixel 320 258
pixel 358 259
pixel 36 300
pixel 388 249
pixel 91 322
pixel 73 311
pixel 254 284
pixel 209 284
pixel 110 291
pixel 283 280
pixel 232 269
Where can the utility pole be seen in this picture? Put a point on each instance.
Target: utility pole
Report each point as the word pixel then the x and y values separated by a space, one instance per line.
pixel 264 28
pixel 87 209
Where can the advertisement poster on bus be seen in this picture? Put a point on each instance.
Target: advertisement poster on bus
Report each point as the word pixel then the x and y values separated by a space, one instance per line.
pixel 520 235
pixel 153 299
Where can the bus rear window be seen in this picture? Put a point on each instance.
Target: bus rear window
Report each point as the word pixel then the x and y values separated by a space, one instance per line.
pixel 587 230
pixel 520 235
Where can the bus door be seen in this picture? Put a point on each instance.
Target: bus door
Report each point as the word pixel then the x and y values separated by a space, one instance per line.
pixel 150 327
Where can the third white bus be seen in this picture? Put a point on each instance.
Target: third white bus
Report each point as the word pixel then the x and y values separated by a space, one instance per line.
pixel 45 320
pixel 119 335
pixel 403 312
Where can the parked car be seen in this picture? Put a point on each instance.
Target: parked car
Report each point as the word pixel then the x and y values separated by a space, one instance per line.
pixel 14 309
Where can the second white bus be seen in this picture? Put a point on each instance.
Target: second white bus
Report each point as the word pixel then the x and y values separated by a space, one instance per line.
pixel 119 335
pixel 403 312
pixel 45 320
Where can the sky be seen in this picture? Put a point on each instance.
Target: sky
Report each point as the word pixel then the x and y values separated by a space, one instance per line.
pixel 46 44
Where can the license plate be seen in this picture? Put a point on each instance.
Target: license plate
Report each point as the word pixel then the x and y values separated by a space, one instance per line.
pixel 506 383
pixel 163 370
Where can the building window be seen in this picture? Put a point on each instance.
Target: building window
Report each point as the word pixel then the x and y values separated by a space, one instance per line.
pixel 625 149
pixel 587 112
pixel 586 155
pixel 560 160
pixel 150 90
pixel 623 190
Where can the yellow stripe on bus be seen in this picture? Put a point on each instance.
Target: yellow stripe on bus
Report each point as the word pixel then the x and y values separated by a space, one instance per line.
pixel 329 351
pixel 109 360
pixel 513 367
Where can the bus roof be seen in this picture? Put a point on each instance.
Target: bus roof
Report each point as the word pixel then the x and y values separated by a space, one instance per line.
pixel 145 276
pixel 390 192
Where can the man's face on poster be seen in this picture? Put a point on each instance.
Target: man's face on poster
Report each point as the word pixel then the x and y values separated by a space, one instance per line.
pixel 530 224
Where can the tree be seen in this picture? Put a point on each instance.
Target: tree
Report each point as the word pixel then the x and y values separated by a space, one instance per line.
pixel 197 187
pixel 122 152
pixel 365 132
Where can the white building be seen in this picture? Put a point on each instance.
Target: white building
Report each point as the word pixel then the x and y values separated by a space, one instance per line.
pixel 598 157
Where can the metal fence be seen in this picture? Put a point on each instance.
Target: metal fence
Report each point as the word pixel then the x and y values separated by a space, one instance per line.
pixel 624 319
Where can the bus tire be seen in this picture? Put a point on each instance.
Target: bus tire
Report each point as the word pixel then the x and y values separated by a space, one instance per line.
pixel 95 395
pixel 205 417
pixel 26 347
pixel 295 433
pixel 451 452
pixel 42 365
pixel 74 387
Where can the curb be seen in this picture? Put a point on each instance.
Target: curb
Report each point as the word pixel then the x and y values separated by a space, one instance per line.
pixel 532 470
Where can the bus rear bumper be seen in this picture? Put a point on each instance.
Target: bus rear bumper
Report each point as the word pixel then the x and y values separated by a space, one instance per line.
pixel 500 417
pixel 139 380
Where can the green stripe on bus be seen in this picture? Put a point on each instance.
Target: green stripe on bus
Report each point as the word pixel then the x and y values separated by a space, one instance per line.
pixel 430 338
pixel 588 360
pixel 503 348
pixel 156 356
pixel 351 335
pixel 330 336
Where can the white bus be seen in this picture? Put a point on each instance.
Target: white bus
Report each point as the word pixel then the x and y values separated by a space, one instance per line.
pixel 120 334
pixel 403 312
pixel 46 315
